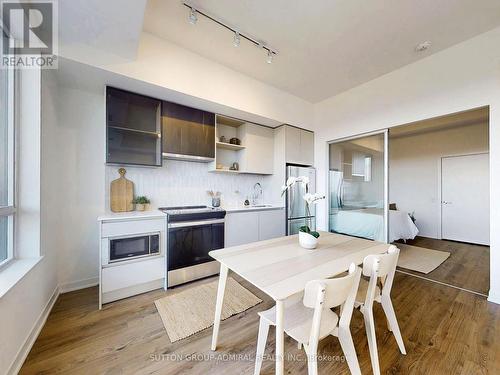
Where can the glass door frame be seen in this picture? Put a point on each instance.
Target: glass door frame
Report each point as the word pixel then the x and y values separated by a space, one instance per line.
pixel 385 132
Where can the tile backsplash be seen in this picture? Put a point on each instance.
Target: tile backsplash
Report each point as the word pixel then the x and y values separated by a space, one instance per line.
pixel 180 183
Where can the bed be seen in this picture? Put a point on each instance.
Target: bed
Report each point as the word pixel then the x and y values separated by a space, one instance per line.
pixel 369 223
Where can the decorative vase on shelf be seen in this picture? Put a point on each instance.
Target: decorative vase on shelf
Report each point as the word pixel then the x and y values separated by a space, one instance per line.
pixel 139 207
pixel 307 240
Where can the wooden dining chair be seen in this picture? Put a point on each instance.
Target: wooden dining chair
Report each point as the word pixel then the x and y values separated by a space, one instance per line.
pixel 311 319
pixel 379 267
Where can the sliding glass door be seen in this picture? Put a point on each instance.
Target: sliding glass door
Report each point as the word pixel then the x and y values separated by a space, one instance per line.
pixel 358 186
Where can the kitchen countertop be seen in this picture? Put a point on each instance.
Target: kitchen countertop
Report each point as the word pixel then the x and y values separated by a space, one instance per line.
pixel 150 214
pixel 155 213
pixel 232 209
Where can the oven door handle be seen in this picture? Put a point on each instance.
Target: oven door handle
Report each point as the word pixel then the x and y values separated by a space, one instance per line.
pixel 184 224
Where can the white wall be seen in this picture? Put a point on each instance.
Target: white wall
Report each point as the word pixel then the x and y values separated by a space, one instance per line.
pixel 462 77
pixel 23 307
pixel 79 180
pixel 414 170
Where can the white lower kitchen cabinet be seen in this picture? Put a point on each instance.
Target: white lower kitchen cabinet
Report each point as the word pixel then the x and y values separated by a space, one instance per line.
pixel 250 226
pixel 132 254
pixel 271 224
pixel 241 228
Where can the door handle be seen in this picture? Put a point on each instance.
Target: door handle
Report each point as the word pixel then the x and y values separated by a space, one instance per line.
pixel 446 202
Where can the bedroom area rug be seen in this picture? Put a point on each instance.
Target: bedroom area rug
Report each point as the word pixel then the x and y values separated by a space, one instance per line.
pixel 420 259
pixel 192 310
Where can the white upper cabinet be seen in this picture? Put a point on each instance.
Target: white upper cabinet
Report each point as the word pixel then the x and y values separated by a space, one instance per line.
pixel 292 137
pixel 307 147
pixel 299 146
pixel 259 152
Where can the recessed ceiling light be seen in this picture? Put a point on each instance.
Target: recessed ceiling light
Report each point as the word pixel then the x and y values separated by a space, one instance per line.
pixel 236 39
pixel 424 46
pixel 193 17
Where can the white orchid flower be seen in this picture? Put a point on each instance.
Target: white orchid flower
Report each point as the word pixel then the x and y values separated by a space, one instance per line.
pixel 313 198
pixel 291 181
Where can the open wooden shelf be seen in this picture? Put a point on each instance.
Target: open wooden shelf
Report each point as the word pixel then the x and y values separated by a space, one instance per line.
pixel 229 121
pixel 224 171
pixel 229 146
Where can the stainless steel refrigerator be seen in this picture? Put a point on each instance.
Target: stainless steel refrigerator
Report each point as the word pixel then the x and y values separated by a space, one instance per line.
pixel 295 204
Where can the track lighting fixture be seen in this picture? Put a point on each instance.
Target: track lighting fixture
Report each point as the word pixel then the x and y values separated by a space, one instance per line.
pixel 193 16
pixel 236 39
pixel 269 56
pixel 194 11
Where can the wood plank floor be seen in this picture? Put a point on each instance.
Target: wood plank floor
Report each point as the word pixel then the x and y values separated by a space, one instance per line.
pixel 467 267
pixel 446 331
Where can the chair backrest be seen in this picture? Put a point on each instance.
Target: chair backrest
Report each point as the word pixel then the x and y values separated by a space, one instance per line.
pixel 381 265
pixel 329 293
pixel 335 291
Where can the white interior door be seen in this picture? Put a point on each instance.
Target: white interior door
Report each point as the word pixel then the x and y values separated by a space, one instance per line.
pixel 465 205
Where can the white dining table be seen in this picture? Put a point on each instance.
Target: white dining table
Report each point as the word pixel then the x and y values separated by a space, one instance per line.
pixel 281 268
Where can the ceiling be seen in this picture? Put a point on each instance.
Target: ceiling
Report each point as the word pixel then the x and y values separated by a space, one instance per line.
pixel 111 25
pixel 477 116
pixel 325 46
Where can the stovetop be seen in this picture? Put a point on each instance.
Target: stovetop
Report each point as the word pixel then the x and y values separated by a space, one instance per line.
pixel 178 210
pixel 186 213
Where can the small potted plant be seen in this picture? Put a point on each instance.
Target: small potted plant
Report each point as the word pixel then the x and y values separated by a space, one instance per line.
pixel 141 203
pixel 308 238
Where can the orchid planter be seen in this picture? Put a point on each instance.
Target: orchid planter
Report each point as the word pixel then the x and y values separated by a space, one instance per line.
pixel 308 239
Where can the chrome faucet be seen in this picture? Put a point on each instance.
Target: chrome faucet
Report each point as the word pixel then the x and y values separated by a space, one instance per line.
pixel 256 193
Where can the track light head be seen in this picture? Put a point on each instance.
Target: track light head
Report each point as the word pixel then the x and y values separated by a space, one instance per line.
pixel 236 39
pixel 193 16
pixel 269 56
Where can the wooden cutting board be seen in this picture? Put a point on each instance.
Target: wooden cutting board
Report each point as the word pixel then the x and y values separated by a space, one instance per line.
pixel 122 193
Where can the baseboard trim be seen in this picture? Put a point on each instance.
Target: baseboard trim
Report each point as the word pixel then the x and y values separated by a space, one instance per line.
pixel 23 352
pixel 494 297
pixel 77 285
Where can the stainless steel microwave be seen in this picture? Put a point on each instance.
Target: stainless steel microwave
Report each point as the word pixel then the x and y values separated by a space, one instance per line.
pixel 130 247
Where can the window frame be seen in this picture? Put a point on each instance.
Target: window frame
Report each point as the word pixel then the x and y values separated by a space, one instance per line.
pixel 10 210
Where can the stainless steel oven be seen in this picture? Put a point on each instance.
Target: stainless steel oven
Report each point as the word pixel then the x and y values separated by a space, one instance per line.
pixel 192 234
pixel 136 246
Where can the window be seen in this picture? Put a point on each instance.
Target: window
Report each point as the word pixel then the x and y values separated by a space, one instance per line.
pixel 7 164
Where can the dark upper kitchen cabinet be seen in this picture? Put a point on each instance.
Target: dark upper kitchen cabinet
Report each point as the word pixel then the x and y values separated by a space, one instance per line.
pixel 188 133
pixel 133 129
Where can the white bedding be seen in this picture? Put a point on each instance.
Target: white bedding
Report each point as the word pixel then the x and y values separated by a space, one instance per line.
pixel 369 223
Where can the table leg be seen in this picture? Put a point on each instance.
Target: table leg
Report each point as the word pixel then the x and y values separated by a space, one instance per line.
pixel 280 338
pixel 218 305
